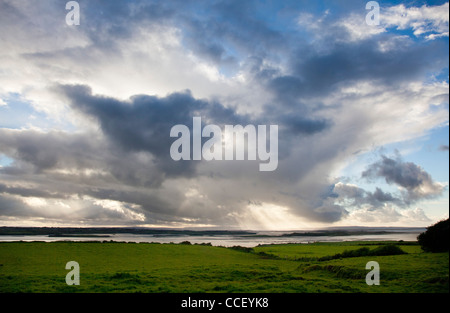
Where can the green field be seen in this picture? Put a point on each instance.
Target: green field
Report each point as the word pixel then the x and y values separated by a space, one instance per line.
pixel 155 268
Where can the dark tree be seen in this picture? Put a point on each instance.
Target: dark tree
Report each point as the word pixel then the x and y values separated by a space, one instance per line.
pixel 436 237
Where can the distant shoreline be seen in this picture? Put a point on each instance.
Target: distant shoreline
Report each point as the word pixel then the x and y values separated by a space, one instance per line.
pixel 105 231
pixel 80 235
pixel 227 238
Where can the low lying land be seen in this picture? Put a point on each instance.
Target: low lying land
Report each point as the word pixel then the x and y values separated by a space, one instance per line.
pixel 155 268
pixel 96 231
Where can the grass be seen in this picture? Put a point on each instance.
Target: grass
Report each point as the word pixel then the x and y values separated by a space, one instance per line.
pixel 156 268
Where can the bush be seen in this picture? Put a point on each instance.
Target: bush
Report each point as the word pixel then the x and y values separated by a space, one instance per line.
pixel 379 251
pixel 242 249
pixel 436 237
pixel 387 250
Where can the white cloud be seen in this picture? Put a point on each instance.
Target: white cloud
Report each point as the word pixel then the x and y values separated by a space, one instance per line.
pixel 151 60
pixel 429 21
pixel 409 112
pixel 311 21
pixel 120 207
pixel 357 28
pixel 387 216
pixel 35 202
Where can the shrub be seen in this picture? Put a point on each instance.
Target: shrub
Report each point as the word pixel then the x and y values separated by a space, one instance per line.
pixel 436 237
pixel 379 251
pixel 387 250
pixel 267 255
pixel 242 249
pixel 355 253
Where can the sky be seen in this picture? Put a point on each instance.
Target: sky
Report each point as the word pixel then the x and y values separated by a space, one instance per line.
pixel 87 106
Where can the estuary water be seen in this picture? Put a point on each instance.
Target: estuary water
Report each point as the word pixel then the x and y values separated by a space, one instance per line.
pixel 227 240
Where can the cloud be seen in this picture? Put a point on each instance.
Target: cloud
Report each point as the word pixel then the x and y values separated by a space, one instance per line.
pixel 106 93
pixel 428 21
pixel 351 62
pixel 354 196
pixel 411 177
pixel 127 161
pixel 388 216
pixel 143 125
pixel 414 185
pixel 230 30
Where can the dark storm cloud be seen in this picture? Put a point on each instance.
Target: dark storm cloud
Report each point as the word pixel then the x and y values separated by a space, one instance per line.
pixel 129 160
pixel 379 196
pixel 407 175
pixel 313 73
pixel 236 23
pixel 12 207
pixel 81 165
pixel 144 123
pixel 304 126
pixel 41 155
pixel 416 185
pixel 358 197
pixel 44 150
pixel 29 192
pixel 328 213
pixel 106 22
pixel 208 30
pixel 415 180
